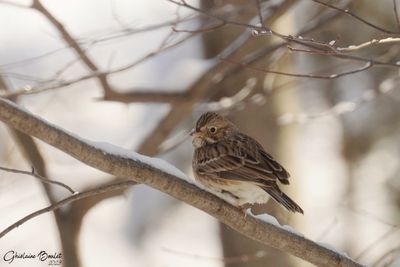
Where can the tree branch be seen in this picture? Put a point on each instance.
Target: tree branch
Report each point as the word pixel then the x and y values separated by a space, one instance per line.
pixel 68 200
pixel 38 176
pixel 143 172
pixel 144 96
pixel 37 5
pixel 356 17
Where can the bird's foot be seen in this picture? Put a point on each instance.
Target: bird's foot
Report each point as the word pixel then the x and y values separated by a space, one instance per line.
pixel 244 209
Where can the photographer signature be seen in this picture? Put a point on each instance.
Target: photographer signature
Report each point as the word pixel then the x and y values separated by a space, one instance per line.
pixel 51 258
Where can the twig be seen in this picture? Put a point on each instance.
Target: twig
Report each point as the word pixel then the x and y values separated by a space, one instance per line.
pixel 10 3
pixel 99 40
pixel 34 58
pixel 37 5
pixel 343 107
pixel 376 242
pixel 146 96
pixel 396 14
pixel 41 178
pixel 352 48
pixel 68 200
pixel 351 14
pixel 385 255
pixel 299 75
pixel 260 14
pixel 111 94
pixel 211 15
pixel 209 28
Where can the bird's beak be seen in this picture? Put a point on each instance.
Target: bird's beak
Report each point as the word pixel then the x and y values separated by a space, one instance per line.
pixel 192 132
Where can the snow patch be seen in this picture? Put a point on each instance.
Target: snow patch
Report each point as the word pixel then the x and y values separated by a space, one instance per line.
pixel 154 162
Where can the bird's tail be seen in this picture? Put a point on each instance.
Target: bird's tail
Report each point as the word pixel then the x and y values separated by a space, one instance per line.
pixel 283 199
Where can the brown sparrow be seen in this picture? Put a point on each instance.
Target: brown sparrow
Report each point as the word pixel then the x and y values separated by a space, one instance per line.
pixel 235 166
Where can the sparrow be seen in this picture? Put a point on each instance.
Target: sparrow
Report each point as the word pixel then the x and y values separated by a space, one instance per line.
pixel 235 166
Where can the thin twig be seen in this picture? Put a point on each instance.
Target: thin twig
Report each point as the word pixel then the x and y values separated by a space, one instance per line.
pixel 385 255
pixel 352 48
pixel 110 94
pixel 376 242
pixel 14 4
pixel 211 15
pixel 396 14
pixel 260 14
pixel 100 40
pixel 351 14
pixel 80 52
pixel 207 28
pixel 41 178
pixel 368 65
pixel 68 200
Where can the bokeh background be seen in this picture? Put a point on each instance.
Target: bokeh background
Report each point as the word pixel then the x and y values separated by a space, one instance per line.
pixel 138 74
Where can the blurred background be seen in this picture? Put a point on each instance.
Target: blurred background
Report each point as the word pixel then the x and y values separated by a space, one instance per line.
pixel 316 86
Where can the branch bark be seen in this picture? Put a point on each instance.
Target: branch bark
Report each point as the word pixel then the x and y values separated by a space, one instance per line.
pixel 141 172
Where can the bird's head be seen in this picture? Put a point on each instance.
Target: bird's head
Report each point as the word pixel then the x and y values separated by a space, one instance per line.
pixel 211 128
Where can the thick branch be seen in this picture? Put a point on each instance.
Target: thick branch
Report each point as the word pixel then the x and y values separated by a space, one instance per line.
pixel 142 172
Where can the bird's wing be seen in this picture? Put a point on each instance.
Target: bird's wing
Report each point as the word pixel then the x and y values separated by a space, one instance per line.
pixel 238 159
pixel 277 168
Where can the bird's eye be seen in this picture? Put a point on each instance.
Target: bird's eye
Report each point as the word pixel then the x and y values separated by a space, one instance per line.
pixel 213 129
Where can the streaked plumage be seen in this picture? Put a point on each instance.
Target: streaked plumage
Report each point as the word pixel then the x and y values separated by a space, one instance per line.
pixel 234 164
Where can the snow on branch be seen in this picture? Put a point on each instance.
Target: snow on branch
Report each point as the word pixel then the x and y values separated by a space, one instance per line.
pixel 166 178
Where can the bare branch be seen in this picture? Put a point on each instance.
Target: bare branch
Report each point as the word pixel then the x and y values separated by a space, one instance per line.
pixel 206 28
pixel 298 75
pixel 10 3
pixel 37 5
pixel 352 48
pixel 68 200
pixel 38 57
pixel 141 172
pixel 351 14
pixel 212 15
pixel 385 255
pixel 376 242
pixel 110 94
pixel 124 33
pixel 396 14
pixel 149 96
pixel 264 30
pixel 343 107
pixel 258 55
pixel 41 178
pixel 260 14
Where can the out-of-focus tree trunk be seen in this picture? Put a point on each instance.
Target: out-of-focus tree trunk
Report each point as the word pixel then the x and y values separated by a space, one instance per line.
pixel 259 121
